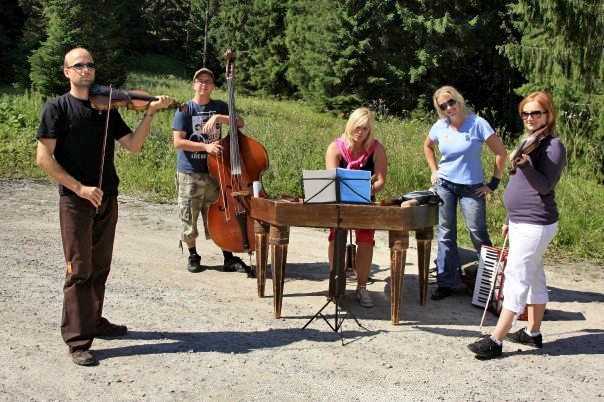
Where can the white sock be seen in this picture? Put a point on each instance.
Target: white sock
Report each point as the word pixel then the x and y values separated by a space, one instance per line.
pixel 532 333
pixel 497 341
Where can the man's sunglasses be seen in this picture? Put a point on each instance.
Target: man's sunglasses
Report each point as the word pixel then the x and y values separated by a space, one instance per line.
pixel 535 114
pixel 80 66
pixel 451 102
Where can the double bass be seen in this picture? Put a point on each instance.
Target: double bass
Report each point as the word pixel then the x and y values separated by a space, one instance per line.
pixel 240 163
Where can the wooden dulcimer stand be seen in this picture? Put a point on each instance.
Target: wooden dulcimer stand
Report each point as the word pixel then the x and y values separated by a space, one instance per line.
pixel 274 218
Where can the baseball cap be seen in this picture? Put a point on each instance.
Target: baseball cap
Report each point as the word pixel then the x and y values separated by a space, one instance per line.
pixel 203 70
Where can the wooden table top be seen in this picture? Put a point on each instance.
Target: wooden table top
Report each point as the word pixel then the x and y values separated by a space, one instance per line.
pixel 357 216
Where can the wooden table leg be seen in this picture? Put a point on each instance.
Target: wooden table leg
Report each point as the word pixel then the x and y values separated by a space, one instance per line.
pixel 424 238
pixel 399 243
pixel 261 230
pixel 278 239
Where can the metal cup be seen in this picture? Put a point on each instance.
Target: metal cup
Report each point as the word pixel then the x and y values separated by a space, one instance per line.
pixel 256 188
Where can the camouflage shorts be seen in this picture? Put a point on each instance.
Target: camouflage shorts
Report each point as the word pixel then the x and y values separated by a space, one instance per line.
pixel 196 191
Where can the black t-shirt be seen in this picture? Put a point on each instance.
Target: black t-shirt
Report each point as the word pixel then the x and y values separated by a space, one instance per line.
pixel 79 131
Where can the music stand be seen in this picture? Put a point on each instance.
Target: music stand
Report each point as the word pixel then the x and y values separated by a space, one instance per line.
pixel 337 286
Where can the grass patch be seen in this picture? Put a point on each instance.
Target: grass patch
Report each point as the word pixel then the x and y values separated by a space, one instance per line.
pixel 295 138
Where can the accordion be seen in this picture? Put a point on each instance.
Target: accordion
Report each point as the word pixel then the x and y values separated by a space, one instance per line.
pixel 485 276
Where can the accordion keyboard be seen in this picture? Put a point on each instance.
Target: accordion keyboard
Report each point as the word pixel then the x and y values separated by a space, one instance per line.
pixel 486 275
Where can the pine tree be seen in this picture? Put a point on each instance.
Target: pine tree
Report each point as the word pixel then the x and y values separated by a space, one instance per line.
pixel 95 25
pixel 256 32
pixel 457 45
pixel 347 54
pixel 33 32
pixel 396 54
pixel 561 51
pixel 194 41
pixel 11 21
pixel 166 24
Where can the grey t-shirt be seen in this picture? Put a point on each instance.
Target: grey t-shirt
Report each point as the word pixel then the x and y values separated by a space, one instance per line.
pixel 529 196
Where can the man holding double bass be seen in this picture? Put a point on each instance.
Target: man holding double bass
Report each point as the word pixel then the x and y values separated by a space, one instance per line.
pixel 197 133
pixel 75 147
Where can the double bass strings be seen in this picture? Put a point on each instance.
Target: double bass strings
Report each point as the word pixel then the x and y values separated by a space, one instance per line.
pixel 234 144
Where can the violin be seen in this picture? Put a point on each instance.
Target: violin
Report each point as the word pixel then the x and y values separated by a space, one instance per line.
pixel 136 99
pixel 528 145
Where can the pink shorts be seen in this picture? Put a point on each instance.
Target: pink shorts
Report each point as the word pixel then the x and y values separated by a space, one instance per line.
pixel 361 235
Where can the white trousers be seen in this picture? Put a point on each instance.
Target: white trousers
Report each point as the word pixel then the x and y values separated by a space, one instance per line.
pixel 524 272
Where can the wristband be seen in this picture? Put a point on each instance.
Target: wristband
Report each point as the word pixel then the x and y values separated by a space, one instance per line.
pixel 494 183
pixel 147 115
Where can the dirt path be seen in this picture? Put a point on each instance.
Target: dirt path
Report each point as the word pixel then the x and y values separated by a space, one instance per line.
pixel 208 335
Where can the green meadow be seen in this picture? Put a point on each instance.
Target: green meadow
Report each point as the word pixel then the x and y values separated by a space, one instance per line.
pixel 296 137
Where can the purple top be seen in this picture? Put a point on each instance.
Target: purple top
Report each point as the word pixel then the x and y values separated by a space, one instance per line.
pixel 529 196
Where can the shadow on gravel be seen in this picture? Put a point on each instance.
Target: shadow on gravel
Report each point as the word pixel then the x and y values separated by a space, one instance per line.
pixel 591 343
pixel 584 344
pixel 223 342
pixel 313 271
pixel 568 296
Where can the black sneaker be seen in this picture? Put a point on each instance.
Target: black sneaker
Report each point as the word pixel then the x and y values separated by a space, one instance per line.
pixel 233 264
pixel 440 293
pixel 82 357
pixel 486 347
pixel 194 264
pixel 522 337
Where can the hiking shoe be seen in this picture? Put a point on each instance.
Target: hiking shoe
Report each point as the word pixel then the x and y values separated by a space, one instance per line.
pixel 486 347
pixel 233 264
pixel 522 337
pixel 364 297
pixel 440 293
pixel 194 264
pixel 82 357
pixel 105 329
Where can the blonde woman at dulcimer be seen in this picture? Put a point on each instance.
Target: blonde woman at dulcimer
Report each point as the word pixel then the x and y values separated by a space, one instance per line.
pixel 357 149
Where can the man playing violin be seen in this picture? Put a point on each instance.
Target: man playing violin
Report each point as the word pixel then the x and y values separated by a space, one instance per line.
pixel 197 133
pixel 72 141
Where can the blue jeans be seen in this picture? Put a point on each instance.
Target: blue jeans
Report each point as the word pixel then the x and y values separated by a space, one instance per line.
pixel 473 209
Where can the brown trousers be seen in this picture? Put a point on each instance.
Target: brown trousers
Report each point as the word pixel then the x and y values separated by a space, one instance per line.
pixel 88 246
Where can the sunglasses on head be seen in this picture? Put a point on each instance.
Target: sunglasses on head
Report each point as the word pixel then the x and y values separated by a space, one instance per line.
pixel 80 66
pixel 445 105
pixel 535 114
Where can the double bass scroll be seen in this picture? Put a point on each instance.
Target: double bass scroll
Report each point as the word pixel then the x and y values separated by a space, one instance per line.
pixel 241 162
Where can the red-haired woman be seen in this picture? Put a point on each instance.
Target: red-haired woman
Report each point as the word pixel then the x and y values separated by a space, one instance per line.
pixel 531 223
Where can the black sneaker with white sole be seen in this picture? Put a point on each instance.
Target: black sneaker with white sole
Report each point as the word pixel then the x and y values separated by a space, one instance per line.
pixel 486 347
pixel 525 339
pixel 232 264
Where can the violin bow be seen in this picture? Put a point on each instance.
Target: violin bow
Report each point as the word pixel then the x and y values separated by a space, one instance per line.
pixel 101 168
